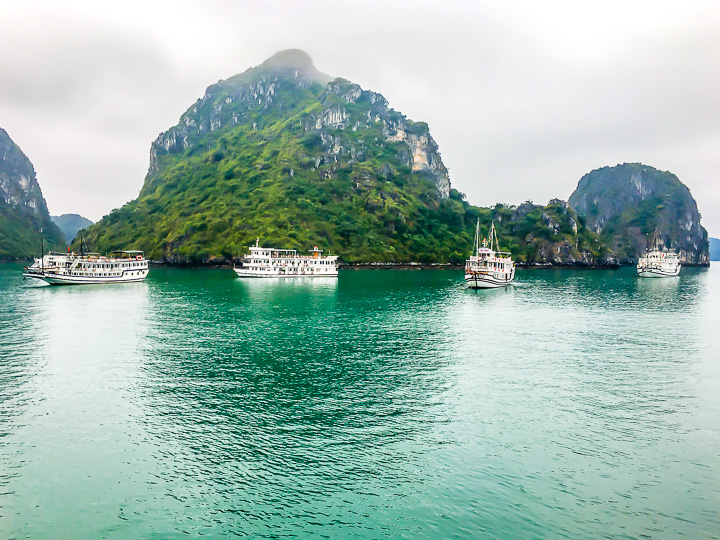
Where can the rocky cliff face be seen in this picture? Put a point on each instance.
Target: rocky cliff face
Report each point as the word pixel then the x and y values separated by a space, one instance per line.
pixel 627 203
pixel 18 185
pixel 260 95
pixel 23 211
pixel 550 235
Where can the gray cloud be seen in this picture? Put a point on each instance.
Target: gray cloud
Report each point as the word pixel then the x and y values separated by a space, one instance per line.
pixel 523 98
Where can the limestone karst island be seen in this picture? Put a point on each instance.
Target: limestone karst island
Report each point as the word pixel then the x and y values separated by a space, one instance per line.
pixel 287 153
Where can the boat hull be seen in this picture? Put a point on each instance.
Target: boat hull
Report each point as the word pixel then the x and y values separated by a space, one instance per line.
pixel 657 273
pixel 246 274
pixel 82 280
pixel 487 281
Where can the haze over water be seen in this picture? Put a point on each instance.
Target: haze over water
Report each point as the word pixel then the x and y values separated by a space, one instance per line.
pixel 576 404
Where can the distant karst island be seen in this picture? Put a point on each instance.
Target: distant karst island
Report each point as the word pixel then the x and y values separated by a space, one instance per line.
pixel 715 249
pixel 70 224
pixel 287 153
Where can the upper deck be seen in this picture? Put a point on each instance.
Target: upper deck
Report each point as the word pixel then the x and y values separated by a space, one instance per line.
pixel 669 256
pixel 486 254
pixel 265 253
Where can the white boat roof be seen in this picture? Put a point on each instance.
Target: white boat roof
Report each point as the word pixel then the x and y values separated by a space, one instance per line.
pixel 277 250
pixel 258 248
pixel 485 251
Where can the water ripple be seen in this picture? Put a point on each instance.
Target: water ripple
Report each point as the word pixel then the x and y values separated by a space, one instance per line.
pixel 380 404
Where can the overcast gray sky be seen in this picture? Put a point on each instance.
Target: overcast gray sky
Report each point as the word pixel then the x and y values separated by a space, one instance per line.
pixel 523 97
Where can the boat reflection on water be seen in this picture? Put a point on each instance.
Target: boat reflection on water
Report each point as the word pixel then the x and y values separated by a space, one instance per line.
pixel 650 285
pixel 318 291
pixel 309 283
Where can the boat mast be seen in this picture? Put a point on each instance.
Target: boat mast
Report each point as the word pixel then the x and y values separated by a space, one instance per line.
pixel 42 252
pixel 82 245
pixel 492 235
pixel 477 238
pixel 656 244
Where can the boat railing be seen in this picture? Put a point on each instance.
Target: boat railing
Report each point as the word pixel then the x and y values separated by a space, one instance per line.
pixel 295 257
pixel 490 260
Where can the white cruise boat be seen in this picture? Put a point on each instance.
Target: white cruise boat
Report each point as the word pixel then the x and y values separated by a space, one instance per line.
pixel 263 262
pixel 91 268
pixel 488 269
pixel 658 264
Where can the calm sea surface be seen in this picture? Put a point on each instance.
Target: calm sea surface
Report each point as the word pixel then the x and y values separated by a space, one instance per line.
pixel 576 404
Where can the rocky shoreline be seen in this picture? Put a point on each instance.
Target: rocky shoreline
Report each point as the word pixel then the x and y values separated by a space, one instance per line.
pixel 423 266
pixel 224 263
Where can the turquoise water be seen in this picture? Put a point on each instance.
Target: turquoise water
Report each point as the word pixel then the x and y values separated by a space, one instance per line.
pixel 577 404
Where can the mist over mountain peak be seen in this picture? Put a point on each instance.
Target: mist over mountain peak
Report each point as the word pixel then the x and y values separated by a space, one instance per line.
pixel 293 58
pixel 290 64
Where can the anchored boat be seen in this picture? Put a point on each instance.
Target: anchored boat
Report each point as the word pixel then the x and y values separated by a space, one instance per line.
pixel 91 268
pixel 489 269
pixel 263 262
pixel 657 263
